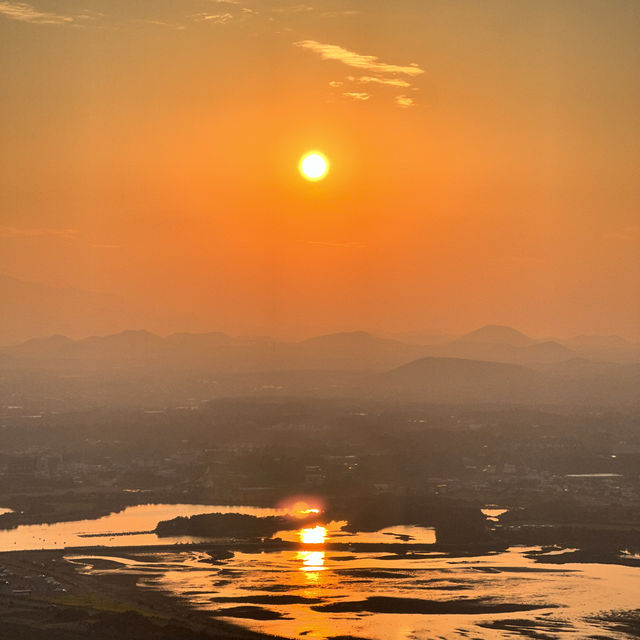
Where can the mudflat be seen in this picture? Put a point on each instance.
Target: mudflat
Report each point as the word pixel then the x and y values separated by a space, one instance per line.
pixel 45 598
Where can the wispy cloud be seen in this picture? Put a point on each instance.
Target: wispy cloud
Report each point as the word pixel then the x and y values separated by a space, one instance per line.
pixel 26 13
pixel 357 60
pixel 357 95
pixel 381 73
pixel 340 14
pixel 339 245
pixel 391 82
pixel 296 8
pixel 233 10
pixel 162 23
pixel 106 246
pixel 404 101
pixel 215 18
pixel 39 232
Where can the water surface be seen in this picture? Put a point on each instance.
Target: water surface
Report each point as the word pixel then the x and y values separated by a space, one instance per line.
pixel 298 586
pixel 137 522
pixel 317 593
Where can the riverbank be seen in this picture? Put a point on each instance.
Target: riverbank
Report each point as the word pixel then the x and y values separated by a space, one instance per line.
pixel 91 503
pixel 43 597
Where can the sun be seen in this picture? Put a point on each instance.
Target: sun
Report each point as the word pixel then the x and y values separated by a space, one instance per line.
pixel 314 166
pixel 315 535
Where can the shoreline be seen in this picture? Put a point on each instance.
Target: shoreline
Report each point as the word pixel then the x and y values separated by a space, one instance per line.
pixel 61 602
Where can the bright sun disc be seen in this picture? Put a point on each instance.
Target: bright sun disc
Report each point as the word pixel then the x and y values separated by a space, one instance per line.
pixel 315 535
pixel 314 166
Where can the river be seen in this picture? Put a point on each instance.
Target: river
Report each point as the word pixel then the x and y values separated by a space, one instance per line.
pixel 320 593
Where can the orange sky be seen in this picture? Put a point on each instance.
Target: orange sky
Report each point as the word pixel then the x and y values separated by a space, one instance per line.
pixel 484 162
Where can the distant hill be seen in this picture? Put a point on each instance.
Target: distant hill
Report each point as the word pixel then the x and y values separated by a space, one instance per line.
pixel 354 350
pixel 494 343
pixel 217 352
pixel 350 340
pixel 606 348
pixel 573 382
pixel 458 379
pixel 132 365
pixel 52 347
pixel 496 334
pixel 198 340
pixel 125 346
pixel 346 351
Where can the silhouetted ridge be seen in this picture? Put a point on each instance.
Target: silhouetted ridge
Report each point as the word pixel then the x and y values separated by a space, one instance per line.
pixel 350 339
pixel 497 334
pixel 429 365
pixel 196 339
pixel 444 379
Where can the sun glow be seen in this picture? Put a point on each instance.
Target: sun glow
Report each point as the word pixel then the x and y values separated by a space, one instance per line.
pixel 315 535
pixel 313 166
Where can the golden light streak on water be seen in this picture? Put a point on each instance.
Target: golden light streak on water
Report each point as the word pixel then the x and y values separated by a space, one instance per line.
pixel 311 560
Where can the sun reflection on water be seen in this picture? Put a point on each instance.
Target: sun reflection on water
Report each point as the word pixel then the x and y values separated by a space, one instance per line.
pixel 313 535
pixel 311 560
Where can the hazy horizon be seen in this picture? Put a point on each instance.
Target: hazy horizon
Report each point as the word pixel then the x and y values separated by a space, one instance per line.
pixel 425 336
pixel 31 314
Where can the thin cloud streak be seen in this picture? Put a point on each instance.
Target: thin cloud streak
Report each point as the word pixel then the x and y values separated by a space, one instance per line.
pixel 357 60
pixel 218 18
pixel 106 246
pixel 26 13
pixel 340 14
pixel 338 245
pixel 15 232
pixel 357 95
pixel 391 82
pixel 404 101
